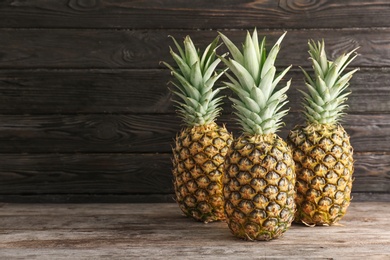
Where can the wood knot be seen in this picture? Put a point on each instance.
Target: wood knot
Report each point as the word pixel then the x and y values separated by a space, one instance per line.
pixel 299 6
pixel 84 5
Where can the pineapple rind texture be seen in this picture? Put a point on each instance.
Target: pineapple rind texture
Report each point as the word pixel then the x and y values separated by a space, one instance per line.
pixel 198 167
pixel 260 177
pixel 323 159
pixel 321 148
pixel 198 155
pixel 259 187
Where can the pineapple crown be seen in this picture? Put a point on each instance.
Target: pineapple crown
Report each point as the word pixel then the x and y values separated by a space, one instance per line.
pixel 196 75
pixel 326 95
pixel 259 104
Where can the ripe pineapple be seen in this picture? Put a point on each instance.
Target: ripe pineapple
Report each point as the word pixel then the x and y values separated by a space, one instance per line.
pixel 321 148
pixel 200 148
pixel 260 176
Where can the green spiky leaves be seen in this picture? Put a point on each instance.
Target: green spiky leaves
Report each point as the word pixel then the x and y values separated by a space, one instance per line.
pixel 259 103
pixel 324 101
pixel 196 75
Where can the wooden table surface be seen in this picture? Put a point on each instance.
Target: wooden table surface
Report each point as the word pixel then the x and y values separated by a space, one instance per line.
pixel 160 231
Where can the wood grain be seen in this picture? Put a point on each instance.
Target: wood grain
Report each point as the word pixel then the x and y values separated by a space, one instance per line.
pixel 146 91
pixel 115 198
pixel 159 231
pixel 187 15
pixel 84 91
pixel 85 110
pixel 85 174
pixel 148 133
pixel 132 174
pixel 370 166
pixel 87 133
pixel 134 49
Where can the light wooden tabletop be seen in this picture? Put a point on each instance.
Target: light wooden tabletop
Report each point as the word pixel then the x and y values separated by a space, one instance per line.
pixel 160 231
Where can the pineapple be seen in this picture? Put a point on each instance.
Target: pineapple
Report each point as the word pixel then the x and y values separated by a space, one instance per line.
pixel 321 148
pixel 200 148
pixel 260 177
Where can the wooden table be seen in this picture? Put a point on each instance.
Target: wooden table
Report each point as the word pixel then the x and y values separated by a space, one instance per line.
pixel 159 231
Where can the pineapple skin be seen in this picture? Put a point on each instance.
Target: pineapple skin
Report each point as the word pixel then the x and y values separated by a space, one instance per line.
pixel 259 187
pixel 323 159
pixel 198 167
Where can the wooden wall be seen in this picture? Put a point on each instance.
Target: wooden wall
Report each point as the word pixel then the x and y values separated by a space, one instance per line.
pixel 85 113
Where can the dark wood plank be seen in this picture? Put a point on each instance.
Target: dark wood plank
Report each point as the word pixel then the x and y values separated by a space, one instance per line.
pixel 113 49
pixel 201 15
pixel 148 133
pixel 138 198
pixel 372 172
pixel 125 174
pixel 85 174
pixel 88 133
pixel 84 91
pixel 80 48
pixel 146 91
pixel 159 231
pixel 128 198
